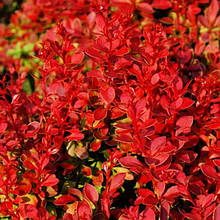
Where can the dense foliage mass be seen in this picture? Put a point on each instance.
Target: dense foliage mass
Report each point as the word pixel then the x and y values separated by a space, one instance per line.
pixel 110 109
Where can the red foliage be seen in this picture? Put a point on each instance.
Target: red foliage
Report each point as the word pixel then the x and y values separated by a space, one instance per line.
pixel 123 117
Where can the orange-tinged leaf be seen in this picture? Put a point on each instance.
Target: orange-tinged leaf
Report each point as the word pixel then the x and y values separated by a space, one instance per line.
pixel 23 187
pixel 72 208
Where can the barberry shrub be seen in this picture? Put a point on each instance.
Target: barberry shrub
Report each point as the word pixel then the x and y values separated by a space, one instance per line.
pixel 110 110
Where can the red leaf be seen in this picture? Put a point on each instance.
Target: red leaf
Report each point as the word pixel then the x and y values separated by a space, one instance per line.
pixel 91 193
pixel 84 210
pixel 3 127
pixel 145 7
pixel 29 165
pixel 155 79
pixel 165 210
pixel 108 95
pixel 95 145
pixel 32 129
pixel 184 124
pixel 187 156
pixel 172 193
pixel 30 211
pixel 209 171
pixel 50 180
pixel 203 20
pixel 165 165
pixel 75 135
pixel 159 189
pixel 93 53
pixel 187 103
pixel 178 83
pixel 148 214
pixel 126 138
pixel 122 51
pixel 140 107
pixel 217 213
pixel 95 73
pixel 64 199
pixel 213 11
pixel 193 216
pixel 105 204
pixel 157 144
pixel 131 162
pixel 208 200
pixel 185 121
pixel 209 210
pixel 77 58
pixel 23 187
pixel 216 162
pixel 75 192
pixel 213 124
pixel 164 102
pixel 161 4
pixel 100 114
pixel 116 181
